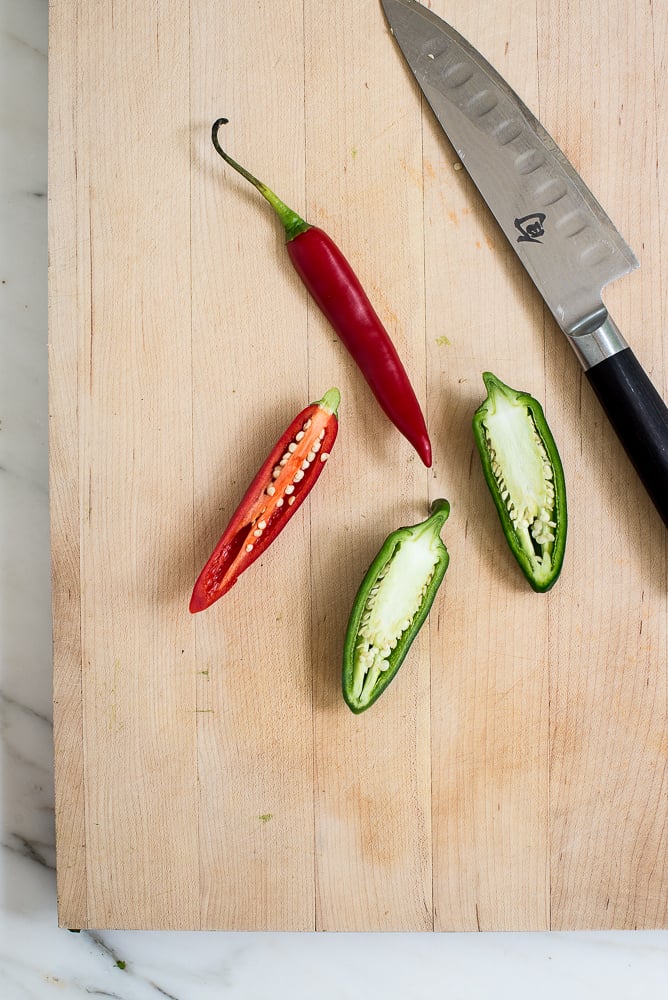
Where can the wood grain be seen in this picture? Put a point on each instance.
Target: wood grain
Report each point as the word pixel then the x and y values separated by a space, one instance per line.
pixel 208 772
pixel 372 790
pixel 608 690
pixel 490 703
pixel 65 323
pixel 251 377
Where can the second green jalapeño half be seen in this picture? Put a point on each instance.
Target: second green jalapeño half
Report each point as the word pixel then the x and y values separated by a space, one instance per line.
pixel 524 474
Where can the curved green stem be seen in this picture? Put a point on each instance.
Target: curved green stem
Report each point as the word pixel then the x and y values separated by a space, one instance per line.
pixel 292 223
pixel 439 510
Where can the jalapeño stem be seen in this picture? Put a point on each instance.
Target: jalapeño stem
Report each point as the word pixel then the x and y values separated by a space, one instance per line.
pixel 292 223
pixel 439 511
pixel 438 515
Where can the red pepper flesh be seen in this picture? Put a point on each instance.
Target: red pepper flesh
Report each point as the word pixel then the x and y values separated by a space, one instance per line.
pixel 342 299
pixel 338 292
pixel 277 491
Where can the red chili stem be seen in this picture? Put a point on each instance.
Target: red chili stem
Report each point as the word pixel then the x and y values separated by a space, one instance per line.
pixel 292 223
pixel 330 279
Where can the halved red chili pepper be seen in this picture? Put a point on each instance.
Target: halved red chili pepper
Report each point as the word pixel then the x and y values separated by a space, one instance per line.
pixel 279 488
pixel 338 292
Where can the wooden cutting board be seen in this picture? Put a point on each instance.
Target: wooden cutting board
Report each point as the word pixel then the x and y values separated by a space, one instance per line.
pixel 208 773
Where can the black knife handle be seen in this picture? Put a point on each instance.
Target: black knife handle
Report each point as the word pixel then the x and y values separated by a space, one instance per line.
pixel 640 418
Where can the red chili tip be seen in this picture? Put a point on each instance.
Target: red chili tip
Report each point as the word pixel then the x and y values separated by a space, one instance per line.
pixel 422 445
pixel 424 451
pixel 198 602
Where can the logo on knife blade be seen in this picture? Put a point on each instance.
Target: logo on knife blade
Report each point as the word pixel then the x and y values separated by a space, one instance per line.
pixel 531 228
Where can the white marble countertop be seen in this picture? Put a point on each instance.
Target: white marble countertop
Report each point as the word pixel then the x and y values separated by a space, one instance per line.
pixel 39 960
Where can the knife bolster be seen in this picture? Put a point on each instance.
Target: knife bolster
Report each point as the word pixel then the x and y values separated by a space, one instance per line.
pixel 597 345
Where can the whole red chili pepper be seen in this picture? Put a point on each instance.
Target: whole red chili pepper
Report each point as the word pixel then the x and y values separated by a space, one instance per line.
pixel 279 488
pixel 333 284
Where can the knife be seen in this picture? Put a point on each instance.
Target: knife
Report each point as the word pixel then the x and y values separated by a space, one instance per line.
pixel 560 233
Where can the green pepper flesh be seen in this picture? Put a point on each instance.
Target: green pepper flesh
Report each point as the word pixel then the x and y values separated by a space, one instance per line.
pixel 391 605
pixel 525 477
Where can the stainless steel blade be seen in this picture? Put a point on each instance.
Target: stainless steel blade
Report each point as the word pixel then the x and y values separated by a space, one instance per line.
pixel 564 239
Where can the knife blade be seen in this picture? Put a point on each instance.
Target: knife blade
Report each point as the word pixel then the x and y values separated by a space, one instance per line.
pixel 561 234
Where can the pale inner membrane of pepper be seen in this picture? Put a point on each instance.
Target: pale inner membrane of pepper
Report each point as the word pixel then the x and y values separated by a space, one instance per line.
pixel 392 603
pixel 524 476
